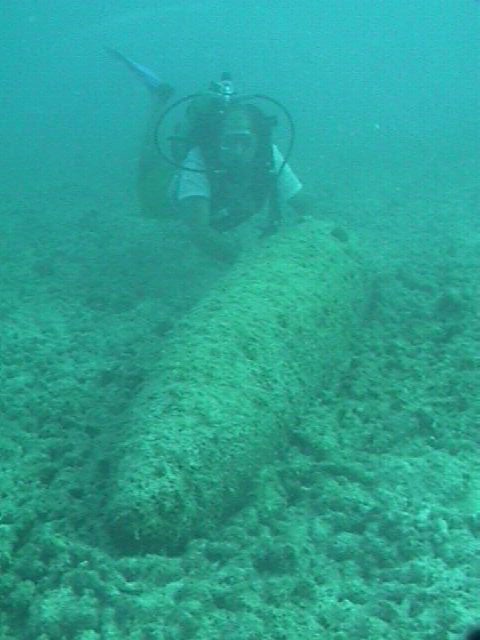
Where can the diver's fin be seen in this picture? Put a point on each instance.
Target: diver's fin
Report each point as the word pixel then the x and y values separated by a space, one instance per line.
pixel 146 75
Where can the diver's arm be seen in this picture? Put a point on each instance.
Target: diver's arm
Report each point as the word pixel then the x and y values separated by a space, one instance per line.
pixel 303 204
pixel 291 189
pixel 196 211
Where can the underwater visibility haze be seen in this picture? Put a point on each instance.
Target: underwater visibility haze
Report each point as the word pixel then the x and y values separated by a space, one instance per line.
pixel 278 443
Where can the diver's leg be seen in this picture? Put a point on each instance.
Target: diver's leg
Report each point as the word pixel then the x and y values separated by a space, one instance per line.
pixel 148 77
pixel 154 173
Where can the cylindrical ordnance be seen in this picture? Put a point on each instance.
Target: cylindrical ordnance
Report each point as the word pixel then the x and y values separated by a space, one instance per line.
pixel 234 373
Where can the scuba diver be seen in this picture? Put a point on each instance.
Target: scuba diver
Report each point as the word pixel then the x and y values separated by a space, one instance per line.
pixel 221 168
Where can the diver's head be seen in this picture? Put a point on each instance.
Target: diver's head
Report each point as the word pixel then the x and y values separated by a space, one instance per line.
pixel 245 134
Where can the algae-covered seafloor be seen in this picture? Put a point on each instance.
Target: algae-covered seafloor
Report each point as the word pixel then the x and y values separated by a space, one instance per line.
pixel 365 522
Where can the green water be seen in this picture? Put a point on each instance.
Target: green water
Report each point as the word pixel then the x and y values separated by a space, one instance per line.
pixel 365 521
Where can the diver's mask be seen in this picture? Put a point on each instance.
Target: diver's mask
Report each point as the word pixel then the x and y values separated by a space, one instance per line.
pixel 238 148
